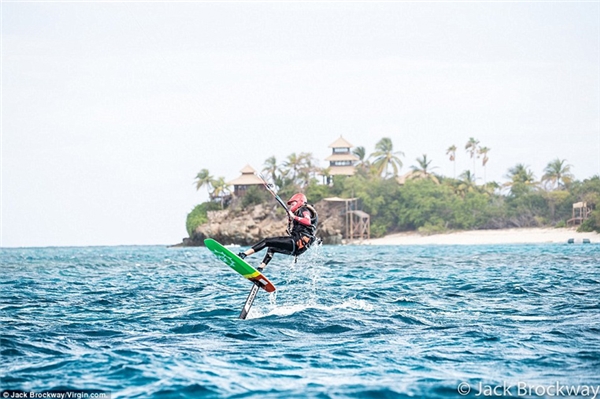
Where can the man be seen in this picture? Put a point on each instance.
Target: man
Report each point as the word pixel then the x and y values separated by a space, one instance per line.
pixel 302 219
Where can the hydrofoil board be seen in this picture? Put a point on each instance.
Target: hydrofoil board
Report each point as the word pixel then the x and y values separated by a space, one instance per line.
pixel 239 265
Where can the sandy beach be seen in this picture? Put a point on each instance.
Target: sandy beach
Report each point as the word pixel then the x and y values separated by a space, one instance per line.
pixel 475 237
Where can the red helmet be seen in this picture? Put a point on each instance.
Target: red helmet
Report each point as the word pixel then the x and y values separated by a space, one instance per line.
pixel 299 199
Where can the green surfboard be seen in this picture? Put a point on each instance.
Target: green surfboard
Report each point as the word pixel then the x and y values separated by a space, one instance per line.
pixel 239 265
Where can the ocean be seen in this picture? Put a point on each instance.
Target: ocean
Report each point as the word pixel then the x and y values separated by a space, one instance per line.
pixel 345 322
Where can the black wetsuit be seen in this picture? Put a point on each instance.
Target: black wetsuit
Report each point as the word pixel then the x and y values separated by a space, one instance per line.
pixel 300 238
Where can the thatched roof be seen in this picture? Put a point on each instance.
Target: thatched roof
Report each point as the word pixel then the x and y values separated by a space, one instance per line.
pixel 340 143
pixel 338 199
pixel 248 178
pixel 341 170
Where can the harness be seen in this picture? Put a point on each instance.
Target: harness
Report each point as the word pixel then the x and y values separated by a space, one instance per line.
pixel 307 237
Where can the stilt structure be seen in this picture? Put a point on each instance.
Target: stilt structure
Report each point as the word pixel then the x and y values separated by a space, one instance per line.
pixel 360 225
pixel 580 213
pixel 357 223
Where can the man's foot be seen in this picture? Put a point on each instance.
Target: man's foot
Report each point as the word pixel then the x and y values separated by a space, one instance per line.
pixel 242 255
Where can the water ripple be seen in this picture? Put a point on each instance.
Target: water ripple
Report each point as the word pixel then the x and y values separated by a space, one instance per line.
pixel 364 322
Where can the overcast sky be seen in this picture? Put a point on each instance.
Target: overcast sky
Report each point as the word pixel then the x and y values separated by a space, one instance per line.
pixel 109 110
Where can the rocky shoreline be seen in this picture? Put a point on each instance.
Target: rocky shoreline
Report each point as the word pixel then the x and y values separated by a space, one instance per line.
pixel 247 226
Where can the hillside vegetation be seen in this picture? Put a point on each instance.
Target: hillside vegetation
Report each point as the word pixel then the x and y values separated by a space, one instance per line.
pixel 421 200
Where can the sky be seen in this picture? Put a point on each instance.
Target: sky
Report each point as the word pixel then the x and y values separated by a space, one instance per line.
pixel 110 109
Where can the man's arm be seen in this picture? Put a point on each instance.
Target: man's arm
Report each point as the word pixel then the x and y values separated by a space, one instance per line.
pixel 304 220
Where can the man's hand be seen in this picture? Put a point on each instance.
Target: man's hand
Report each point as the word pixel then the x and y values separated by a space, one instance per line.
pixel 291 215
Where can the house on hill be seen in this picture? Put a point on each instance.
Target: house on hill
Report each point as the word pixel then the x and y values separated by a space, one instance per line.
pixel 247 179
pixel 341 161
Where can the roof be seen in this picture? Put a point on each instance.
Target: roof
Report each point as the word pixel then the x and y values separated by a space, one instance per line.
pixel 338 199
pixel 342 157
pixel 248 178
pixel 360 214
pixel 341 170
pixel 247 169
pixel 340 143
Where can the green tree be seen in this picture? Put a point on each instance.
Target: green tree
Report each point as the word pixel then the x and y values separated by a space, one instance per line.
pixel 558 174
pixel 466 184
pixel 220 190
pixel 559 204
pixel 198 216
pixel 521 178
pixel 292 165
pixel 451 151
pixel 483 151
pixel 588 191
pixel 385 156
pixel 422 204
pixel 308 169
pixel 363 164
pixel 203 178
pixel 471 148
pixel 255 195
pixel 316 192
pixel 423 170
pixel 361 153
pixel 270 168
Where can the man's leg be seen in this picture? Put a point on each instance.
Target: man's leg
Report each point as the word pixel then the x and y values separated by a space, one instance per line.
pixel 266 259
pixel 283 244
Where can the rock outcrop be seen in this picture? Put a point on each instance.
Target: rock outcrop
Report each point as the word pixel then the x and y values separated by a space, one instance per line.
pixel 247 226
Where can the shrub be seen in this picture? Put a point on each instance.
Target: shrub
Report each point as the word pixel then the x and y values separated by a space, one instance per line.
pixel 429 228
pixel 255 195
pixel 591 224
pixel 198 216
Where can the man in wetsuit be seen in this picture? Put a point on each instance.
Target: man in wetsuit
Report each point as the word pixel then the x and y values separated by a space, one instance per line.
pixel 303 221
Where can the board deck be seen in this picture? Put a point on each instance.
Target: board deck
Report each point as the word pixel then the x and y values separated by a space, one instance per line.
pixel 239 265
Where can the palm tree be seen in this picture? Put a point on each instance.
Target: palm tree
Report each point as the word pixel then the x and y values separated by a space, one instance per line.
pixel 471 148
pixel 385 157
pixel 521 178
pixel 483 151
pixel 326 173
pixel 520 174
pixel 452 152
pixel 422 171
pixel 300 168
pixel 466 183
pixel 361 154
pixel 362 165
pixel 558 173
pixel 203 178
pixel 489 188
pixel 293 165
pixel 270 168
pixel 220 189
pixel 308 168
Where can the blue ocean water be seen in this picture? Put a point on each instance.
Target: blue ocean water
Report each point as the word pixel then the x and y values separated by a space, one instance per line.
pixel 346 322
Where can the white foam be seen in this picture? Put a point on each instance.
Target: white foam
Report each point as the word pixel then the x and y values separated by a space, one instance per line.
pixel 287 310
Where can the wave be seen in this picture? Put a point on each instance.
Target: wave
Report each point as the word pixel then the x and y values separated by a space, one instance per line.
pixel 345 321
